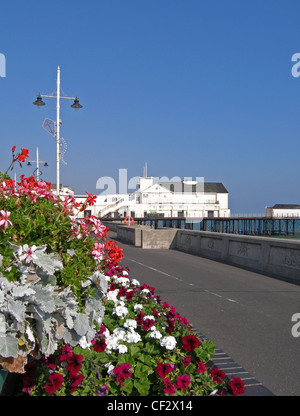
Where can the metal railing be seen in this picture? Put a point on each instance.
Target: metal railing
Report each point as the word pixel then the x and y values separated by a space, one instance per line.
pixel 258 226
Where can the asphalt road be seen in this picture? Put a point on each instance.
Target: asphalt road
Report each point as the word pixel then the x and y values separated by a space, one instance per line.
pixel 247 315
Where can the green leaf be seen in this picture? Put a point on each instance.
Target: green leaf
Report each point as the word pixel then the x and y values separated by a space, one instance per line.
pixel 152 348
pixel 142 386
pixel 142 370
pixel 128 385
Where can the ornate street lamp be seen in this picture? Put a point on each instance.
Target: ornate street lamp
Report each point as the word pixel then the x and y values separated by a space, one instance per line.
pixel 37 161
pixel 76 106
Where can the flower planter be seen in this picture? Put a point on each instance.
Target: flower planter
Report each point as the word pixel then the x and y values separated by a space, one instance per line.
pixel 8 382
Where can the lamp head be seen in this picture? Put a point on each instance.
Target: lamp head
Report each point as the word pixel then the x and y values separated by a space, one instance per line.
pixel 76 104
pixel 39 102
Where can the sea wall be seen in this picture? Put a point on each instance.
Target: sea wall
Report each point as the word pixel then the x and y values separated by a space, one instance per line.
pixel 269 255
pixel 274 256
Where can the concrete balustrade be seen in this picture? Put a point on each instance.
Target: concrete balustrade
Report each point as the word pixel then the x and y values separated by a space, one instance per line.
pixel 275 256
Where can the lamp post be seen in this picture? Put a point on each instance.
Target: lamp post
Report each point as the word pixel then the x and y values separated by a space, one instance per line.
pixel 37 161
pixel 76 106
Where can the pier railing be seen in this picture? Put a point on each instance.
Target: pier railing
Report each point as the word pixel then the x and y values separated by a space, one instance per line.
pixel 259 226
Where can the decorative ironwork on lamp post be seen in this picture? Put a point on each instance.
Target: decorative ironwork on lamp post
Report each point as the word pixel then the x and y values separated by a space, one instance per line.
pixel 76 106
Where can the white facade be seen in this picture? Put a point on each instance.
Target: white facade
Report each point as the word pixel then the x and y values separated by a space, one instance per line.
pixel 188 199
pixel 283 211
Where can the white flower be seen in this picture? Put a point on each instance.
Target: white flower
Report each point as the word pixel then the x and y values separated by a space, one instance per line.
pixel 110 368
pixel 137 306
pixel 168 342
pixel 28 253
pixel 112 341
pixel 125 273
pixel 83 343
pixel 132 336
pixel 135 282
pixel 112 295
pixel 124 281
pixel 130 323
pixel 122 348
pixel 119 333
pixel 154 333
pixel 146 290
pixel 120 311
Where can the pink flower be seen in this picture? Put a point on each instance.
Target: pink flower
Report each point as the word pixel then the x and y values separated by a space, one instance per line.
pixel 98 251
pixel 4 219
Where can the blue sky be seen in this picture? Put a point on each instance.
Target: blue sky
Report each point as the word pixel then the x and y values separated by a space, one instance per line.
pixel 194 88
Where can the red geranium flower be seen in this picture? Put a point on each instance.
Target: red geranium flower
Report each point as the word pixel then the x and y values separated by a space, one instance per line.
pixel 190 342
pixel 201 367
pixel 99 344
pixel 169 388
pixel 129 295
pixel 114 252
pixel 187 360
pixel 147 324
pixel 22 156
pixel 91 199
pixel 163 369
pixel 182 382
pixel 66 352
pixel 74 363
pixel 237 386
pixel 139 318
pixel 122 372
pixel 75 380
pixel 122 292
pixel 54 383
pixel 217 375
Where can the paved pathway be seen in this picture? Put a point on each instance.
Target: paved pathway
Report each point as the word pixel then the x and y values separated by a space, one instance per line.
pixel 247 315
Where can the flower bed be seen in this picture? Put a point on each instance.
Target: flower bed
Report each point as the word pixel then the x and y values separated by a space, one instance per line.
pixel 73 322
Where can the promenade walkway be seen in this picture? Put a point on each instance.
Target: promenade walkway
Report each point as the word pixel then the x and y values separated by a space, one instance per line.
pixel 247 315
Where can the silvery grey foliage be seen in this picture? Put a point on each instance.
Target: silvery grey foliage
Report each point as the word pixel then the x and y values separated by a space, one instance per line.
pixel 34 312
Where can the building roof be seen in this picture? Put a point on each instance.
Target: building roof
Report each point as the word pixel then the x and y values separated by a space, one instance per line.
pixel 286 206
pixel 209 187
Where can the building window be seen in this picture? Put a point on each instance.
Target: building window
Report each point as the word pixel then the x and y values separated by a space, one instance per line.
pixel 210 214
